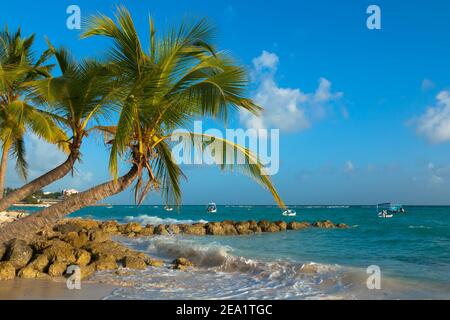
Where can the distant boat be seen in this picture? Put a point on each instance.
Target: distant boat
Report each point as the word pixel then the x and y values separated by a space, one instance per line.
pixel 388 210
pixel 168 209
pixel 212 208
pixel 289 213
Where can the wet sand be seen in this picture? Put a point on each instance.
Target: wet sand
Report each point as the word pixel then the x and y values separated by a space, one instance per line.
pixel 31 289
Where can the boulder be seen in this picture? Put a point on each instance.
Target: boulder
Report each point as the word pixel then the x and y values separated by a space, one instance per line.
pixel 297 225
pixel 97 235
pixel 134 263
pixel 19 253
pixel 57 269
pixel 264 225
pixel 281 225
pixel 182 264
pixel 253 226
pixel 197 229
pixel 87 271
pixel 106 263
pixel 267 226
pixel 243 228
pixel 83 258
pixel 109 227
pixel 147 231
pixel 132 227
pixel 161 230
pixel 154 262
pixel 229 229
pixel 215 229
pixel 7 271
pixel 75 239
pixel 2 250
pixel 326 224
pixel 30 273
pixel 39 263
pixel 60 251
pixel 342 226
pixel 173 229
pixel 107 248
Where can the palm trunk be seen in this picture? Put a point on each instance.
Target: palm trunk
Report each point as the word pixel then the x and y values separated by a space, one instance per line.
pixel 3 166
pixel 37 184
pixel 27 227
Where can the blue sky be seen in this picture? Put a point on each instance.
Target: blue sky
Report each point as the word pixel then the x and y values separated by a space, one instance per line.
pixel 359 131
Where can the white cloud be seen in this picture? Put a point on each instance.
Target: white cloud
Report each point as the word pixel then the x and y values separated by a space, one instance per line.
pixel 288 109
pixel 435 122
pixel 349 167
pixel 427 84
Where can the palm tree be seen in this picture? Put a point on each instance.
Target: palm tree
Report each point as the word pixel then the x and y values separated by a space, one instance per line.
pixel 82 94
pixel 181 78
pixel 18 69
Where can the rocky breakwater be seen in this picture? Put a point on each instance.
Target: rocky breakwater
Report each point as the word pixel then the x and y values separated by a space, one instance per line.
pixel 224 228
pixel 88 245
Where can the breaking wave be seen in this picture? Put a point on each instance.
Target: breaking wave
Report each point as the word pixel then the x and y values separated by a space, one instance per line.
pixel 146 219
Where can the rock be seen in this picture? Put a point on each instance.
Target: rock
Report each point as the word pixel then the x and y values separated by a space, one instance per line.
pixel 215 229
pixel 2 250
pixel 229 229
pixel 197 229
pixel 182 264
pixel 57 269
pixel 97 235
pixel 281 225
pixel 30 273
pixel 154 262
pixel 297 225
pixel 60 251
pixel 66 228
pixel 83 258
pixel 77 240
pixel 134 263
pixel 19 253
pixel 133 227
pixel 173 229
pixel 107 248
pixel 106 263
pixel 87 271
pixel 326 224
pixel 253 226
pixel 342 226
pixel 264 225
pixel 39 263
pixel 147 231
pixel 109 227
pixel 7 271
pixel 161 230
pixel 267 226
pixel 243 228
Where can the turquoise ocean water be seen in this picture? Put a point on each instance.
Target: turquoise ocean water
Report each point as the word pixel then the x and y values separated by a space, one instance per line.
pixel 412 252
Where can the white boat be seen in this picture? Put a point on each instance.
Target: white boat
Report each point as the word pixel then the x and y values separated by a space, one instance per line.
pixel 289 213
pixel 168 209
pixel 212 208
pixel 385 214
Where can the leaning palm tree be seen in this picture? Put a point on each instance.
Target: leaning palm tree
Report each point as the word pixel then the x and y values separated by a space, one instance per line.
pixel 18 69
pixel 78 100
pixel 180 79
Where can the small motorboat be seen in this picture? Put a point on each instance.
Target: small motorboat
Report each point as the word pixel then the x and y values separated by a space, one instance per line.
pixel 388 210
pixel 168 209
pixel 289 213
pixel 212 208
pixel 385 214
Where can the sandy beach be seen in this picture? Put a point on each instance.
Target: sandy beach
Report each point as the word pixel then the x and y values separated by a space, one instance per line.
pixel 40 289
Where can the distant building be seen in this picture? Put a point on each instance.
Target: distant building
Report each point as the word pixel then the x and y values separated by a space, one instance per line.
pixel 69 192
